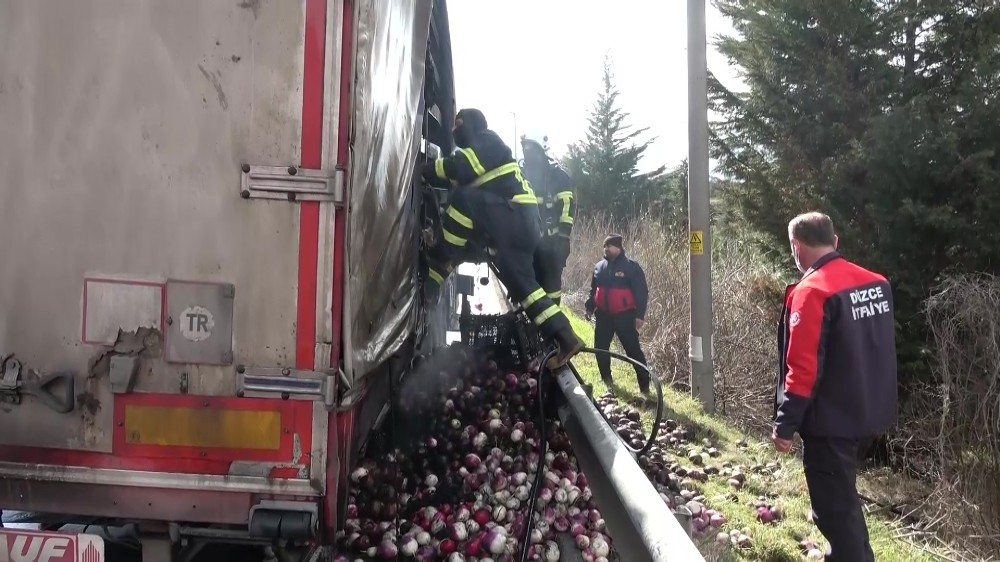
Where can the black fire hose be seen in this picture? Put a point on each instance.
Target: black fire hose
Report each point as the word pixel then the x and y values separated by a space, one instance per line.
pixel 659 398
pixel 543 446
pixel 543 443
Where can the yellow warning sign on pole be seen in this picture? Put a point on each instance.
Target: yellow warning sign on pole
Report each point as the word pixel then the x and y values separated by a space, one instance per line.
pixel 697 243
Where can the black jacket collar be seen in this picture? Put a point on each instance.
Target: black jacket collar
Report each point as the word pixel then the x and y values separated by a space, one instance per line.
pixel 821 262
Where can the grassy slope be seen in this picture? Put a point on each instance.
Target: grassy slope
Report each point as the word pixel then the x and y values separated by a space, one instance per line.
pixel 769 542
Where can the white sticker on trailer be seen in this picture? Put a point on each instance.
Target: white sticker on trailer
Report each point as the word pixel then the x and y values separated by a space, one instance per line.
pixel 197 323
pixel 110 305
pixel 28 546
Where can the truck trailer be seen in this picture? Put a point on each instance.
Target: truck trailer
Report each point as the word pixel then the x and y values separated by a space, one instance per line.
pixel 212 249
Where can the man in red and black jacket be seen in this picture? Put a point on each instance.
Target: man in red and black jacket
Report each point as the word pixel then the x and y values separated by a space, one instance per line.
pixel 837 377
pixel 618 298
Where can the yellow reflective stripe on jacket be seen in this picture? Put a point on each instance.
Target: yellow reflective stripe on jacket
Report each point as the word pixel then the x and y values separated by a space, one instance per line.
pixel 439 169
pixel 477 166
pixel 436 277
pixel 567 198
pixel 453 239
pixel 526 198
pixel 460 218
pixel 525 185
pixel 496 173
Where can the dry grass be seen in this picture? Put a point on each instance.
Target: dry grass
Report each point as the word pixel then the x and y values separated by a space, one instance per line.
pixel 747 298
pixel 957 434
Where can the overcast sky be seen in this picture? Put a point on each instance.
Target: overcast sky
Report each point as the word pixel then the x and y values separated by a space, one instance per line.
pixel 541 60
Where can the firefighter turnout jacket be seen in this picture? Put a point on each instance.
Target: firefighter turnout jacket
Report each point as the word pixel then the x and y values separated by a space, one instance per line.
pixel 556 201
pixel 488 163
pixel 618 285
pixel 837 346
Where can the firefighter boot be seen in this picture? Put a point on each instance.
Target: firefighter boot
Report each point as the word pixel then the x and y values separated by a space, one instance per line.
pixel 569 345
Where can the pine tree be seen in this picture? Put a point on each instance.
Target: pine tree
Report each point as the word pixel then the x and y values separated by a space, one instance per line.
pixel 605 164
pixel 669 203
pixel 885 115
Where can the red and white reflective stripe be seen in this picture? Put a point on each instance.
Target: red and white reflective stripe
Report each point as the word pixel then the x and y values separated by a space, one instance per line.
pixel 326 111
pixel 314 56
pixel 327 103
pixel 30 546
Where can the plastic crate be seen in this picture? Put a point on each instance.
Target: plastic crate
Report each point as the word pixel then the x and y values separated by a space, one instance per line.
pixel 510 339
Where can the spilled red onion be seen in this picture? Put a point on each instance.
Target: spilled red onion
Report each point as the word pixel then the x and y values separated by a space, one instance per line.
pixel 472 475
pixel 495 540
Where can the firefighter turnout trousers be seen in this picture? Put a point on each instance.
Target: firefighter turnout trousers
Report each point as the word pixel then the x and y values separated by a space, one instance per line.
pixel 509 231
pixel 550 261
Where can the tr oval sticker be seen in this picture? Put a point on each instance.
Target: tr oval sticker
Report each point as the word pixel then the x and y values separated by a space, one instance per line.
pixel 197 323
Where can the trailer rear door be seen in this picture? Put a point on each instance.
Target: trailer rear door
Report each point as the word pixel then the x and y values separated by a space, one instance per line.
pixel 167 219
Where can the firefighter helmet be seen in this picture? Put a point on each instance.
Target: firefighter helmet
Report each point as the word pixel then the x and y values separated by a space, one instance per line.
pixel 538 140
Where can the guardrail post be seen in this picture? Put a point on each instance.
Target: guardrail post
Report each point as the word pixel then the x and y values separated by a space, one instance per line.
pixel 683 515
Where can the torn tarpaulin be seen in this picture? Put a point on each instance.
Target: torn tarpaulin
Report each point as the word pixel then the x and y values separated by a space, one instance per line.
pixel 383 228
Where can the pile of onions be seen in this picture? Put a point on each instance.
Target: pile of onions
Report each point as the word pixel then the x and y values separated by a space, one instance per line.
pixel 463 493
pixel 674 465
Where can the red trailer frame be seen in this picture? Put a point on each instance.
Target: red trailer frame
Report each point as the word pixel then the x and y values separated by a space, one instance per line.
pixel 141 467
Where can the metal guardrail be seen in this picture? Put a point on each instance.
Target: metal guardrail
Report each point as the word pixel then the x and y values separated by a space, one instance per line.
pixel 642 526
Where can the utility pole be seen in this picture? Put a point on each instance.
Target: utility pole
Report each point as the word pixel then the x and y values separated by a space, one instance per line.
pixel 700 235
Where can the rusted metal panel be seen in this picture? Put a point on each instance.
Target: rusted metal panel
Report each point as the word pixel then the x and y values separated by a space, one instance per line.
pixel 126 127
pixel 124 502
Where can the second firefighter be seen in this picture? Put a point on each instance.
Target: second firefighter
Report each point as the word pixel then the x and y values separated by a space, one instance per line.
pixel 556 206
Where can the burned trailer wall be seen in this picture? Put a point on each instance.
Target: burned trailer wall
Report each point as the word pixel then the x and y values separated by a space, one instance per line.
pixel 439 84
pixel 383 304
pixel 126 125
pixel 438 118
